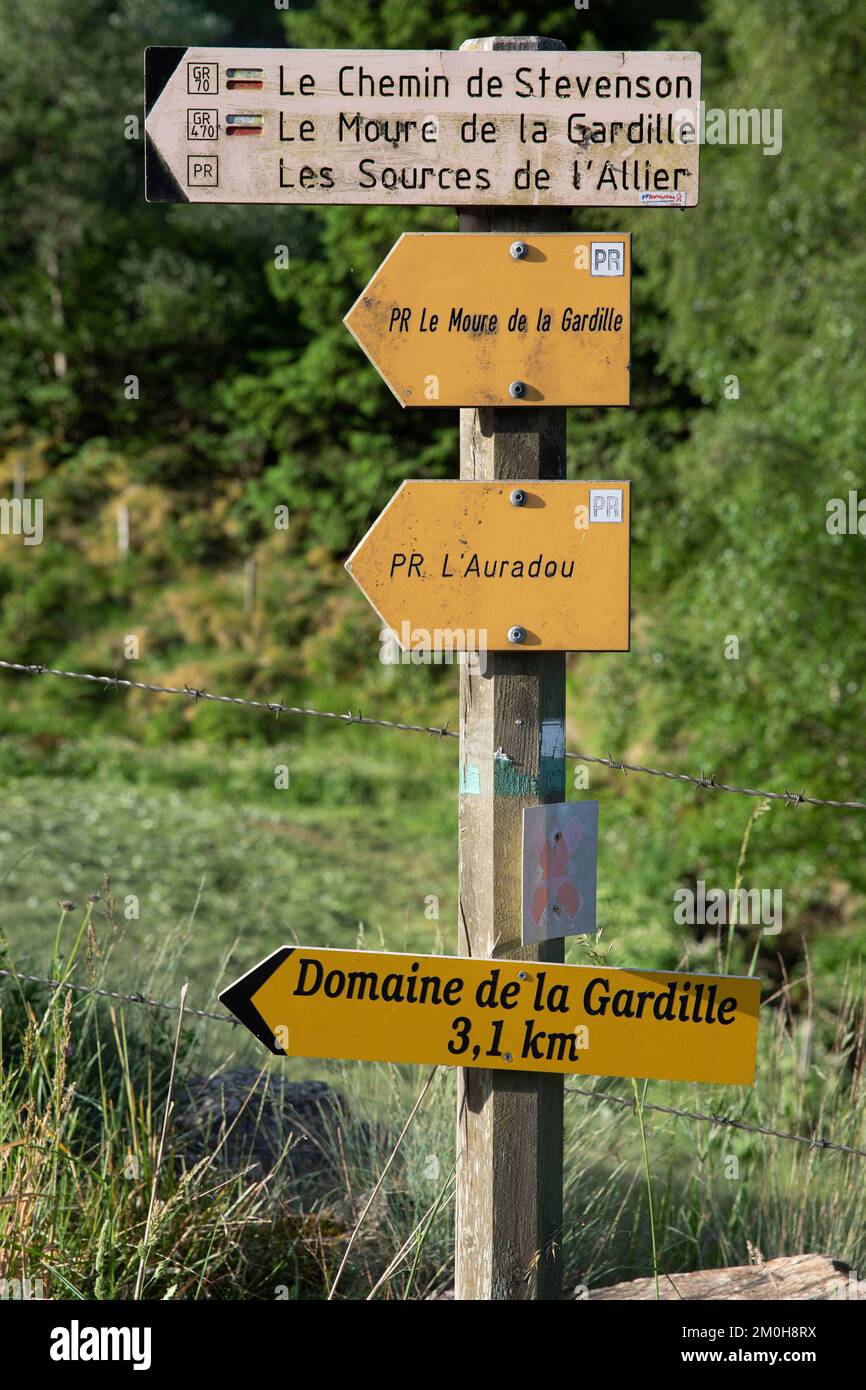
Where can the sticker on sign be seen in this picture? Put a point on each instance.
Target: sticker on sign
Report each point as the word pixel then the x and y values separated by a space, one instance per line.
pixel 605 504
pixel 606 258
pixel 560 849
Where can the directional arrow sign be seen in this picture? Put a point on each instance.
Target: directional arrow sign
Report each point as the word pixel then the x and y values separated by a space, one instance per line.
pixel 485 319
pixel 475 566
pixel 511 1015
pixel 538 129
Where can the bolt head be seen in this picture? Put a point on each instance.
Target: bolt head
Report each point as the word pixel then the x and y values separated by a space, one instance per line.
pixel 516 390
pixel 516 635
pixel 518 497
pixel 519 250
pixel 508 1057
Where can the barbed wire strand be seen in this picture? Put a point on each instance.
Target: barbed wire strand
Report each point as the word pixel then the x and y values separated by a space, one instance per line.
pixel 277 708
pixel 813 1142
pixel 116 994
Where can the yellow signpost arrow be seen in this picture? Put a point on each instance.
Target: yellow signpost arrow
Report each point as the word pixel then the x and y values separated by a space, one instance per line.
pixel 506 1015
pixel 493 319
pixel 475 566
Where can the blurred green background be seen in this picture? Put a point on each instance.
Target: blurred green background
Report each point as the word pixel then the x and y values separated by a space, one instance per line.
pixel 252 395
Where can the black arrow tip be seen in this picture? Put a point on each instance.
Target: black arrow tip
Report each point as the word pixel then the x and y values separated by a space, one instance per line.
pixel 160 184
pixel 238 998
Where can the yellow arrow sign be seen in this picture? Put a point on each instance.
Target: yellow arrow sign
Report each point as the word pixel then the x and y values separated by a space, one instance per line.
pixel 477 566
pixel 484 319
pixel 511 1015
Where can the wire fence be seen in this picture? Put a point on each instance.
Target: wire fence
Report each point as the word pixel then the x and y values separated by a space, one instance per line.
pixel 277 708
pixel 119 996
pixel 813 1141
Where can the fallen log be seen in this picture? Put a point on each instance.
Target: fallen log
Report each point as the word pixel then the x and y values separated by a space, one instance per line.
pixel 789 1277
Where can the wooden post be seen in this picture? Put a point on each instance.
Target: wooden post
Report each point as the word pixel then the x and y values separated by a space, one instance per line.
pixel 123 530
pixel 512 745
pixel 249 586
pixel 19 491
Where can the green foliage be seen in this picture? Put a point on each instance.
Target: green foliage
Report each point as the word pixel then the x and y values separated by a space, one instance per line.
pixel 253 396
pixel 217 851
pixel 730 536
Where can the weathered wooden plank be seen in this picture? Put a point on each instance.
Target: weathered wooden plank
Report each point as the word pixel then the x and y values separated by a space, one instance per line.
pixel 480 127
pixel 795 1277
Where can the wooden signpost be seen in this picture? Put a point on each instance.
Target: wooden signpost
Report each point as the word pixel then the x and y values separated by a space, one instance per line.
pixel 495 320
pixel 492 567
pixel 513 323
pixel 376 1006
pixel 537 128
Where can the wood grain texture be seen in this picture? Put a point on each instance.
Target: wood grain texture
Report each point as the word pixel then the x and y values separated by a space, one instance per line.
pixel 509 1127
pixel 797 1277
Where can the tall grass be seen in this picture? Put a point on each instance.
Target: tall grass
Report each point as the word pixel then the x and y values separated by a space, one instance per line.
pixel 720 1194
pixel 84 1086
pixel 83 1094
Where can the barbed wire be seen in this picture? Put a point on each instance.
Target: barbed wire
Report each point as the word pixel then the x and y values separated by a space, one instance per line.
pixel 116 994
pixel 629 1103
pixel 277 708
pixel 624 1102
pixel 711 783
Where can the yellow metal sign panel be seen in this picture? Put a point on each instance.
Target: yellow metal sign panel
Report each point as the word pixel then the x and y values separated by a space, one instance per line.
pixel 481 319
pixel 478 566
pixel 509 1015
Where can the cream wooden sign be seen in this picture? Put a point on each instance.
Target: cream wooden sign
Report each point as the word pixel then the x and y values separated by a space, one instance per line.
pixel 535 129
